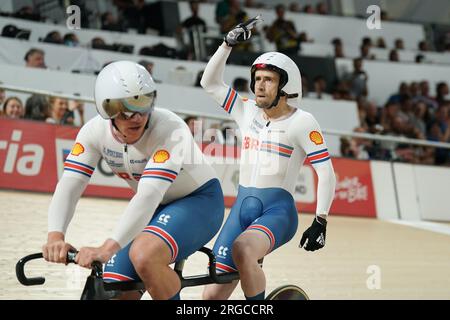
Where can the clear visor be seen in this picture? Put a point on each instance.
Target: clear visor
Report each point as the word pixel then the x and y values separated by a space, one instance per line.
pixel 142 104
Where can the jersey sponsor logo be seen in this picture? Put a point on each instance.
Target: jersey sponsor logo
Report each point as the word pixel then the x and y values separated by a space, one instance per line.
pixel 138 161
pixel 161 156
pixel 316 137
pixel 77 149
pixel 112 153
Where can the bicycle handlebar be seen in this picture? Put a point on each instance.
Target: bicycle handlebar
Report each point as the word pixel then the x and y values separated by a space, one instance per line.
pixel 23 279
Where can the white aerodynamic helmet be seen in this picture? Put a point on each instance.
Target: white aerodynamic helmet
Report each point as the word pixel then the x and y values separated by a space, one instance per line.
pixel 290 78
pixel 124 86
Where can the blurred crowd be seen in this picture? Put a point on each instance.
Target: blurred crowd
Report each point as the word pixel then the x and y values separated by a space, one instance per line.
pixel 47 109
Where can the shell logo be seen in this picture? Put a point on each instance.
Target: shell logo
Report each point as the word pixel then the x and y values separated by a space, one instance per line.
pixel 77 149
pixel 161 156
pixel 316 137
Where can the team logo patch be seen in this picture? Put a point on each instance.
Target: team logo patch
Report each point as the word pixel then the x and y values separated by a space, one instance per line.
pixel 77 149
pixel 161 156
pixel 245 99
pixel 316 137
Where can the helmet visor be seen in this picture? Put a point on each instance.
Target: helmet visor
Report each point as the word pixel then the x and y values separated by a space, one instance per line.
pixel 142 104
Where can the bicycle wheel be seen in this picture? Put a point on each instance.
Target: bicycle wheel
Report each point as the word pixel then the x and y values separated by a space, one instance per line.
pixel 288 292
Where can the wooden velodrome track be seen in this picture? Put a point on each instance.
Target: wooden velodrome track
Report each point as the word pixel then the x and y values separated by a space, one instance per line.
pixel 412 263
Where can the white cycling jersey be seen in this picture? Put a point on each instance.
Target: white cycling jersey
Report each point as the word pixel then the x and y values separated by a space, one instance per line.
pixel 165 164
pixel 272 152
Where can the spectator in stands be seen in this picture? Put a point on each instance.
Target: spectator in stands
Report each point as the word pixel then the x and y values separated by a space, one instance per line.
pixel 420 117
pixel 192 26
pixel 190 121
pixel 321 8
pixel 78 106
pixel 53 37
pixel 223 8
pixel 358 79
pixel 320 86
pixel 303 37
pixel 424 96
pixel 228 14
pixel 295 7
pixel 356 148
pixel 400 128
pixel 373 117
pixel 133 14
pixel 13 108
pixel 59 111
pixel 149 65
pixel 194 21
pixel 389 112
pixel 338 48
pixel 71 40
pixel 253 4
pixel 241 85
pixel 402 90
pixel 27 13
pixel 423 46
pixel 440 132
pixel 442 93
pixel 406 109
pixel 414 89
pixel 381 43
pixel 283 33
pixel 342 91
pixel 308 9
pixel 230 18
pixel 98 43
pixel 35 58
pixel 419 58
pixel 367 41
pixel 37 108
pixel 111 23
pixel 393 56
pixel 365 52
pixel 398 44
pixel 2 95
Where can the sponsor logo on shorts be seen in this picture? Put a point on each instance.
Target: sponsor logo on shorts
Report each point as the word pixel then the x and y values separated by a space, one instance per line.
pixel 164 219
pixel 223 251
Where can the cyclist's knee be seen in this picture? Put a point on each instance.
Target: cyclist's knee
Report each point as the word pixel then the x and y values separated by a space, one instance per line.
pixel 242 251
pixel 146 255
